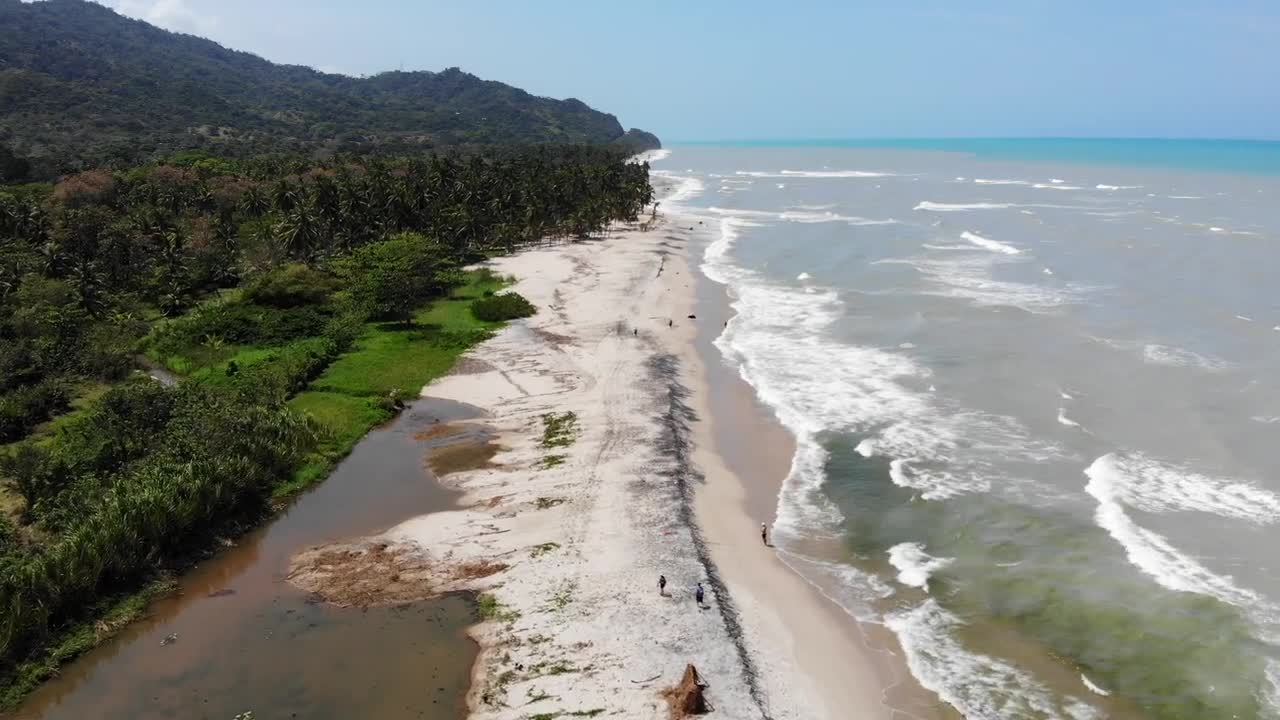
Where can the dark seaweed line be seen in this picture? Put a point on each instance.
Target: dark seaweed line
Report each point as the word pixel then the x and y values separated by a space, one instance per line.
pixel 674 443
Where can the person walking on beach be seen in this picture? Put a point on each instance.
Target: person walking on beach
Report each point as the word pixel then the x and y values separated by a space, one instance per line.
pixel 662 585
pixel 699 594
pixel 764 534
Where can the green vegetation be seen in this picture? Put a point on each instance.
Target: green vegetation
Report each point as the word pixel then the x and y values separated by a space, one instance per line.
pixel 562 598
pixel 349 398
pixel 559 429
pixel 551 461
pixel 110 616
pixel 83 87
pixel 301 301
pixel 543 549
pixel 488 608
pixel 507 306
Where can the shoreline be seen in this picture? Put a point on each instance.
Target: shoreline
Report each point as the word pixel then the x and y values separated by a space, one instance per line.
pixel 749 476
pixel 572 622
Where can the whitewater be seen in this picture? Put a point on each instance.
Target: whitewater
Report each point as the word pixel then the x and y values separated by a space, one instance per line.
pixel 915 320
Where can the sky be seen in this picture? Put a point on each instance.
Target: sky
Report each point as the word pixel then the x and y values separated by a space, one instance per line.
pixel 745 69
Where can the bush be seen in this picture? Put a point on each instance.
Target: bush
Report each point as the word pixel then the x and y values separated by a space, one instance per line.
pixel 506 306
pixel 291 286
pixel 24 408
pixel 220 324
pixel 393 277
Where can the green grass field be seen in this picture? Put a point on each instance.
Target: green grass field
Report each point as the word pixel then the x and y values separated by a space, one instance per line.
pixel 347 401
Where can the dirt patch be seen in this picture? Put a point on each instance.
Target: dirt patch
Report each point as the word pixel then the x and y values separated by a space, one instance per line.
pixel 380 573
pixel 365 575
pixel 553 339
pixel 463 456
pixel 439 431
pixel 477 569
pixel 470 366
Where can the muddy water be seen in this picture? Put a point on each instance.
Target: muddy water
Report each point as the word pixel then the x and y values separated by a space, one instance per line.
pixel 238 638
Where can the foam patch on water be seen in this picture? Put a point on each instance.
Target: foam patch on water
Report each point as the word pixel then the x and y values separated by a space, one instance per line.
pixel 915 566
pixel 1101 186
pixel 1156 354
pixel 1093 688
pixel 970 278
pixel 687 188
pixel 780 340
pixel 960 207
pixel 981 687
pixel 989 244
pixel 652 156
pixel 983 181
pixel 853 590
pixel 815 174
pixel 803 276
pixel 1271 693
pixel 1157 487
pixel 1111 484
pixel 799 216
pixel 1064 420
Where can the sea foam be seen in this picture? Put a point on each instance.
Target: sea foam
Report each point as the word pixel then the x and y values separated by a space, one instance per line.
pixel 780 341
pixel 915 566
pixel 1156 354
pixel 989 244
pixel 960 207
pixel 814 174
pixel 981 687
pixel 1110 485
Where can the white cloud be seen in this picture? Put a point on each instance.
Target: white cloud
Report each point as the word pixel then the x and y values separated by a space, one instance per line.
pixel 169 14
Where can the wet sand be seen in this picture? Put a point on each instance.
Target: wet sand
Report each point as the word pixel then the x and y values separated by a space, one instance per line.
pixel 754 451
pixel 237 637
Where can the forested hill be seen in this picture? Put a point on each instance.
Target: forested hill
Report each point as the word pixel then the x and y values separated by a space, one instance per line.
pixel 83 86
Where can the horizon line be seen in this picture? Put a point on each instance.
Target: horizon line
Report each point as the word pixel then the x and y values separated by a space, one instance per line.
pixel 952 138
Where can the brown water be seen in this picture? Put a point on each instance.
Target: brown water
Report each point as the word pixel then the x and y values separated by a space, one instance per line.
pixel 238 638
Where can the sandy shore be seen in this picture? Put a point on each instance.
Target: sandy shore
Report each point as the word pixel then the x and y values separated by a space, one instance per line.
pixel 569 542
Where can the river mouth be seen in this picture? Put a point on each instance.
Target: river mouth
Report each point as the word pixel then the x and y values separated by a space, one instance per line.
pixel 236 637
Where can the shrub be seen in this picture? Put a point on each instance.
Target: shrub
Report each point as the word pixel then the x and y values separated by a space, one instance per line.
pixel 506 306
pixel 25 407
pixel 291 286
pixel 393 277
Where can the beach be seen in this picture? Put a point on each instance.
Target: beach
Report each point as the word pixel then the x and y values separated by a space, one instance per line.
pixel 571 539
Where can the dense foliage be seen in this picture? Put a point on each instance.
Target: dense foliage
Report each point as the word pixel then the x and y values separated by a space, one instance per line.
pixel 504 306
pixel 81 86
pixel 254 276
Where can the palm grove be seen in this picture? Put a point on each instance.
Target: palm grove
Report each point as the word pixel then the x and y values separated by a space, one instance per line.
pixel 250 278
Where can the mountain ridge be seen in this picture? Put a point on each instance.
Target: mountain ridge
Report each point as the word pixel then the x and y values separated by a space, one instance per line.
pixel 82 85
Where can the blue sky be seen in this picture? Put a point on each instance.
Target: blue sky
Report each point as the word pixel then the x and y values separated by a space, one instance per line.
pixel 718 69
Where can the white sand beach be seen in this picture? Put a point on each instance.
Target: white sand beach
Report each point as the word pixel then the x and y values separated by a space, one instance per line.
pixel 579 625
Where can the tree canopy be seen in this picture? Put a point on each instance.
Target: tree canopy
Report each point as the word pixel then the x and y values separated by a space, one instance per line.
pixel 82 86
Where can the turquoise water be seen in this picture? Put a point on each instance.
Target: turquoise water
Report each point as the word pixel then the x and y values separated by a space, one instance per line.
pixel 1034 407
pixel 1260 157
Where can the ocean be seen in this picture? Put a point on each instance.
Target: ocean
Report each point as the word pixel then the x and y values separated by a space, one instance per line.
pixel 1032 388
